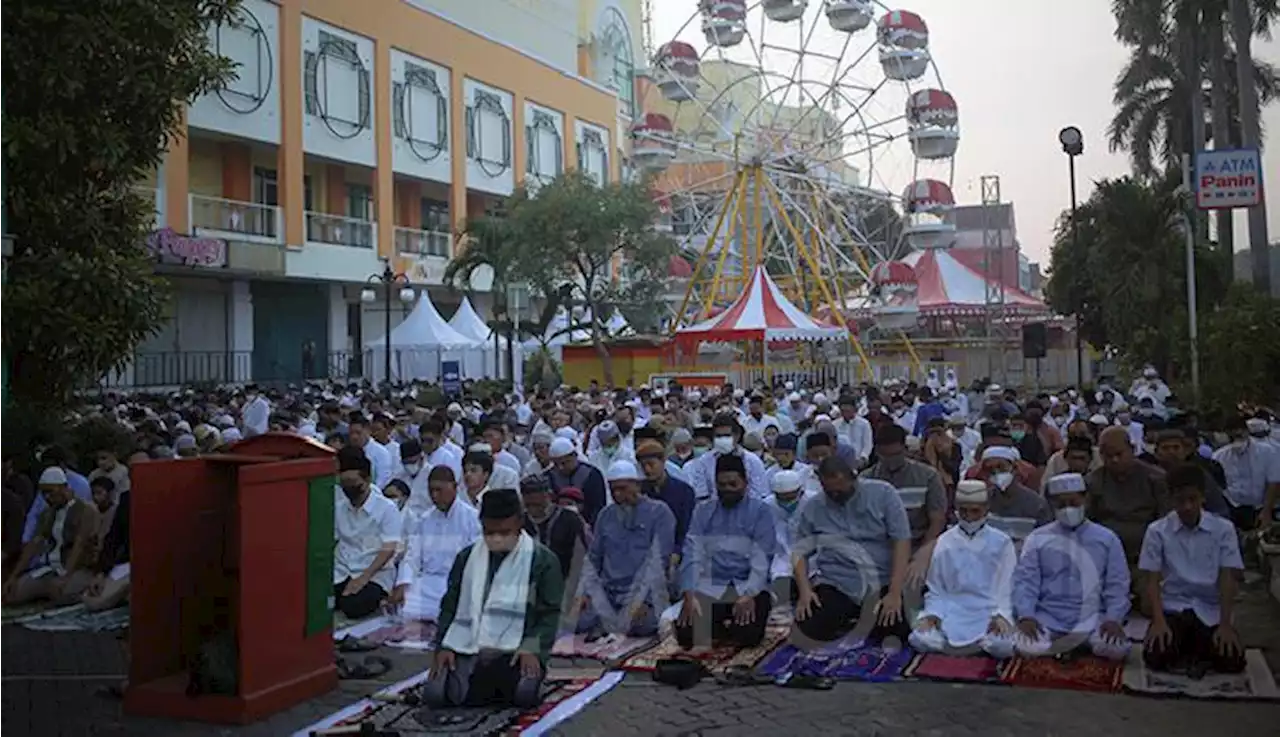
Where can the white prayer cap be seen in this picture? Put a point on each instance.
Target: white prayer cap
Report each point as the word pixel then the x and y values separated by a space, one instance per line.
pixel 695 395
pixel 1065 483
pixel 821 418
pixel 820 398
pixel 182 426
pixel 789 386
pixel 956 419
pixel 231 435
pixel 1257 425
pixel 568 433
pixel 1099 419
pixel 1053 401
pixel 623 471
pixel 454 408
pixel 1002 453
pixel 995 389
pixel 793 397
pixel 560 447
pixel 785 482
pixel 971 491
pixel 480 448
pixel 739 394
pixel 1150 372
pixel 223 421
pixel 53 476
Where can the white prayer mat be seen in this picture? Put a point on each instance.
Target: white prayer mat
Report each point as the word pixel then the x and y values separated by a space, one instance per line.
pixel 79 619
pixel 343 627
pixel 1255 683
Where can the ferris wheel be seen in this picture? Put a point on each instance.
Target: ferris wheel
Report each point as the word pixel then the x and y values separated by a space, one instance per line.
pixel 814 138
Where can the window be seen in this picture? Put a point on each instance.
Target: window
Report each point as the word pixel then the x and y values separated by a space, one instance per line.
pixel 544 149
pixel 489 133
pixel 614 62
pixel 328 72
pixel 359 202
pixel 266 188
pixel 439 228
pixel 421 112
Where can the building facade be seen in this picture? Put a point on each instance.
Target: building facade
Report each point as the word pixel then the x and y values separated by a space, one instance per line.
pixel 358 132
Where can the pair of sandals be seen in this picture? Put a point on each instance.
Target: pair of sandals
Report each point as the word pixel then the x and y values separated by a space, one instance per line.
pixel 372 666
pixel 741 675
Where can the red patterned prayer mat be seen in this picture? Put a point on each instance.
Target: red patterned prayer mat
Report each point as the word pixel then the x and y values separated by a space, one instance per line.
pixel 713 657
pixel 1083 673
pixel 966 669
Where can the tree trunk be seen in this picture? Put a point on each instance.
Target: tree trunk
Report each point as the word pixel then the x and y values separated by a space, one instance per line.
pixel 1215 32
pixel 1242 33
pixel 597 341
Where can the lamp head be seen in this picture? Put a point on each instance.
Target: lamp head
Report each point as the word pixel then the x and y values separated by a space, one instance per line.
pixel 1072 140
pixel 368 295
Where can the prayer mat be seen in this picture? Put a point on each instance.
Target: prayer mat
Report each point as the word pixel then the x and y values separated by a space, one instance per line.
pixel 22 613
pixel 1081 673
pixel 561 700
pixel 957 668
pixel 1255 683
pixel 847 659
pixel 715 657
pixel 610 648
pixel 412 635
pixel 79 619
pixel 344 627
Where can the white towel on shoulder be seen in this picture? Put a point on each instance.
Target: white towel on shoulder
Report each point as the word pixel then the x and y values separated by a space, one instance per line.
pixel 495 622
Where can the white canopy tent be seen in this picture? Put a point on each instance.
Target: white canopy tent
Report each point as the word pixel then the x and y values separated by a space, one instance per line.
pixel 480 361
pixel 419 345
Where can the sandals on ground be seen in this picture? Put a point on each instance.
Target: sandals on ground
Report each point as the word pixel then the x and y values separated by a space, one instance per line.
pixel 741 675
pixel 373 666
pixel 352 644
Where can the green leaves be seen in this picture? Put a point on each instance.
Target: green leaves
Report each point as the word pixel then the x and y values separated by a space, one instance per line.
pixel 95 91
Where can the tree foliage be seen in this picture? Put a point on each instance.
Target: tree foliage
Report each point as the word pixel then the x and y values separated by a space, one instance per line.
pixel 94 94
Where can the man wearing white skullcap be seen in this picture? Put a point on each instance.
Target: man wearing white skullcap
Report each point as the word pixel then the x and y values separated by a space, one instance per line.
pixel 969 599
pixel 1010 499
pixel 788 492
pixel 67 530
pixel 1071 585
pixel 569 471
pixel 624 582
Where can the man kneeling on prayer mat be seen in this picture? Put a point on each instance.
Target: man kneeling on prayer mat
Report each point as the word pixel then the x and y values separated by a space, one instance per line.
pixel 1192 559
pixel 624 583
pixel 1071 584
pixel 857 539
pixel 968 601
pixel 435 538
pixel 725 569
pixel 499 616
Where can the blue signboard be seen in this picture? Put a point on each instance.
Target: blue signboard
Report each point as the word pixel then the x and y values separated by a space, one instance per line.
pixel 451 377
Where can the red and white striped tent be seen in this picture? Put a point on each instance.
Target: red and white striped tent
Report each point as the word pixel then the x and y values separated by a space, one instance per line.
pixel 761 313
pixel 947 287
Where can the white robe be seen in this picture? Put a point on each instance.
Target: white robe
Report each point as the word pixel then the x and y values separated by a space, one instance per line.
pixel 435 539
pixel 970 581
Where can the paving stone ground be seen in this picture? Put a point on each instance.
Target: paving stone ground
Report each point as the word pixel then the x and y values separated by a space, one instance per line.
pixel 50 680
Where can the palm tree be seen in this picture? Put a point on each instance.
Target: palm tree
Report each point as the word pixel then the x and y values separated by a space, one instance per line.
pixel 489 242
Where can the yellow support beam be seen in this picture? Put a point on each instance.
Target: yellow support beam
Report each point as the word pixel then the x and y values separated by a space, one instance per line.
pixel 706 251
pixel 710 296
pixel 813 267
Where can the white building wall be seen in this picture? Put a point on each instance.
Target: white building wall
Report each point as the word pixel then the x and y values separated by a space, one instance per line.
pixel 420 117
pixel 490 138
pixel 544 29
pixel 337 94
pixel 249 106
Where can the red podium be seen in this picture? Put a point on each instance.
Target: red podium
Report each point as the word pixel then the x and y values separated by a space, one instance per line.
pixel 237 550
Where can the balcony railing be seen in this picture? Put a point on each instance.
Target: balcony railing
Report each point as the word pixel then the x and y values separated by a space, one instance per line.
pixel 248 221
pixel 341 231
pixel 423 242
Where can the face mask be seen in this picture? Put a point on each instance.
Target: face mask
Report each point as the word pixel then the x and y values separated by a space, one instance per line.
pixel 700 450
pixel 1072 517
pixel 412 468
pixel 723 444
pixel 1002 480
pixel 894 463
pixel 501 543
pixel 788 506
pixel 970 528
pixel 610 450
pixel 1017 435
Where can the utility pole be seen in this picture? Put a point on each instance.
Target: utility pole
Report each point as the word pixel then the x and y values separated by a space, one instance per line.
pixel 1250 135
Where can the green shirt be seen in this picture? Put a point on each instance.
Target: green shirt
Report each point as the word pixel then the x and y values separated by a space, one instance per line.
pixel 542 615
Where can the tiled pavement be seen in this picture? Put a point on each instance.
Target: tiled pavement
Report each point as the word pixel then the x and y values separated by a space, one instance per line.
pixel 50 680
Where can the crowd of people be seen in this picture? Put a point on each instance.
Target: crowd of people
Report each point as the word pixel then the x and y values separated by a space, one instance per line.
pixel 976 519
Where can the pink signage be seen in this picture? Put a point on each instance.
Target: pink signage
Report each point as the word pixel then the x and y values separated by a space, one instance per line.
pixel 171 247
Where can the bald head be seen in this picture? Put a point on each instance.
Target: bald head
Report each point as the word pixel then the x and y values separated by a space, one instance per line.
pixel 1116 450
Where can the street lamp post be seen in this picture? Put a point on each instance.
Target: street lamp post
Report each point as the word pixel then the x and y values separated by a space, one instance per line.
pixel 388 279
pixel 1072 141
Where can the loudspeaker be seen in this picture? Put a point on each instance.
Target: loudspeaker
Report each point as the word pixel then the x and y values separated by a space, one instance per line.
pixel 1035 340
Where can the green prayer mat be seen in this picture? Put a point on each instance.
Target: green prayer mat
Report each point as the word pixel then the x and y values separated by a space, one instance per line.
pixel 320 541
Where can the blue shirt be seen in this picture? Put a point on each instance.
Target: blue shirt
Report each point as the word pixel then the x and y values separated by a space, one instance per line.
pixel 728 546
pixel 79 486
pixel 679 497
pixel 924 414
pixel 629 551
pixel 1071 580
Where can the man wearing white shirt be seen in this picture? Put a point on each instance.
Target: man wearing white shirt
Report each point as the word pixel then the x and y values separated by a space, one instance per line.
pixel 256 413
pixel 1252 468
pixel 358 436
pixel 727 440
pixel 367 527
pixel 414 471
pixel 438 448
pixel 624 423
pixel 755 421
pixel 495 436
pixel 784 455
pixel 789 493
pixel 381 428
pixel 854 430
pixel 455 431
pixel 446 526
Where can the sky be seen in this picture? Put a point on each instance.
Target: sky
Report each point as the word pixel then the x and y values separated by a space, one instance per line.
pixel 1020 72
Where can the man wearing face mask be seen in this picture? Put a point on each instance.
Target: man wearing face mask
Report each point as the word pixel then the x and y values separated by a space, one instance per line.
pixel 499 616
pixel 922 491
pixel 1252 468
pixel 413 472
pixel 726 434
pixel 784 456
pixel 968 602
pixel 681 447
pixel 857 539
pixel 724 573
pixel 624 581
pixel 622 425
pixel 1071 584
pixel 788 494
pixel 1008 497
pixel 369 528
pixel 1027 441
pixel 610 448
